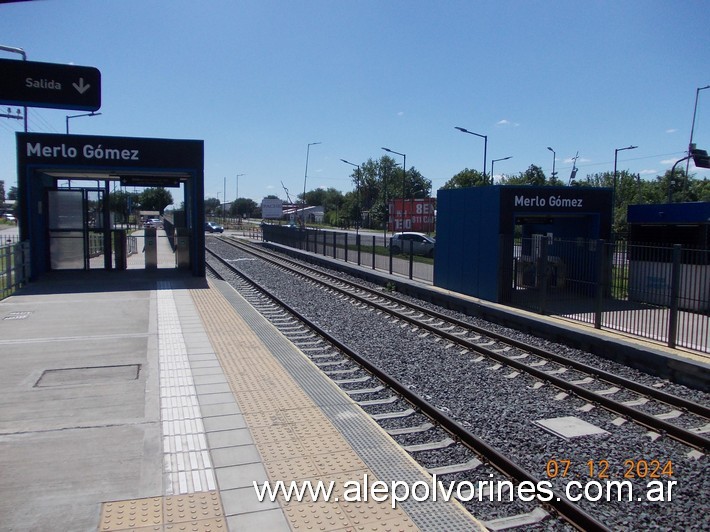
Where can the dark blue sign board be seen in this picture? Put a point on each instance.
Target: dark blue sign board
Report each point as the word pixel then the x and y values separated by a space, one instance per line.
pixel 50 85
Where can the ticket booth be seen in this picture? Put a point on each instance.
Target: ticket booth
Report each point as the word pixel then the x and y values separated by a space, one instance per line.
pixel 493 240
pixel 65 183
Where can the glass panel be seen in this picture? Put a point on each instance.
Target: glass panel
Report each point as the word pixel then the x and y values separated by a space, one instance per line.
pixel 66 249
pixel 66 209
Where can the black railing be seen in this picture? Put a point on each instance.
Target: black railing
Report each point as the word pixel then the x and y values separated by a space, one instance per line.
pixel 659 292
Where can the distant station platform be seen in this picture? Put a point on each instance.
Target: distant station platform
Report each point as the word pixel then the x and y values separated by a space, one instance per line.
pixel 154 400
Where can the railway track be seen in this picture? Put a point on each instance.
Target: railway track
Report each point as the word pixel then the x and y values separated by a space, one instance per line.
pixel 308 335
pixel 582 380
pixel 497 352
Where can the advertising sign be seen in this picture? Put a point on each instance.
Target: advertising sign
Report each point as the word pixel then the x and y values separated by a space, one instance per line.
pixel 412 214
pixel 271 208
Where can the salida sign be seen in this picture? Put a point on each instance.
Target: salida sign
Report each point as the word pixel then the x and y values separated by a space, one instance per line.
pixel 50 85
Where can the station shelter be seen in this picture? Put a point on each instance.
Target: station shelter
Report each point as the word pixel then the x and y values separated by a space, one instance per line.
pixel 65 184
pixel 665 240
pixel 493 241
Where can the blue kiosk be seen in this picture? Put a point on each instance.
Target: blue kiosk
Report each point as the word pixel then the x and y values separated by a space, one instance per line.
pixel 477 252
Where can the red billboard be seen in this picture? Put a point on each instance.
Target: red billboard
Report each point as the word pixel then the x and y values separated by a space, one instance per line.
pixel 411 214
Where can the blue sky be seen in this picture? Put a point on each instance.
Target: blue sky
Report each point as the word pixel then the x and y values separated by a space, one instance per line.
pixel 259 80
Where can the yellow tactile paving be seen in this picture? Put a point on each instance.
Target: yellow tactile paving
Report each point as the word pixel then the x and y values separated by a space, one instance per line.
pixel 295 439
pixel 199 512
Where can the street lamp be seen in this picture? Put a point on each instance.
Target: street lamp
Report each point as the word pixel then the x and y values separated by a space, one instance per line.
pixel 554 157
pixel 692 127
pixel 237 194
pixel 305 178
pixel 404 175
pixel 495 161
pixel 613 205
pixel 359 216
pixel 616 153
pixel 485 146
pixel 77 116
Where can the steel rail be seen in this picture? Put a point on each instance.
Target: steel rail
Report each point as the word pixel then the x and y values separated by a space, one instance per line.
pixel 687 437
pixel 571 512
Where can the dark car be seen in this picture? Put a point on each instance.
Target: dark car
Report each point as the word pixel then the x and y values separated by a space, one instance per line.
pixel 212 227
pixel 419 243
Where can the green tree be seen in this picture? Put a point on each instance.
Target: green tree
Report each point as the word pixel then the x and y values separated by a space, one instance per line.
pixel 2 191
pixel 465 179
pixel 155 199
pixel 122 202
pixel 212 205
pixel 534 175
pixel 243 206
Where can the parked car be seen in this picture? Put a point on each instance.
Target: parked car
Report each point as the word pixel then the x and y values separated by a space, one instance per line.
pixel 153 222
pixel 212 227
pixel 421 244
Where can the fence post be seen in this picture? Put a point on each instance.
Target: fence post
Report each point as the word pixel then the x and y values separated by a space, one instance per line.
pixel 373 252
pixel 324 237
pixel 411 259
pixel 335 245
pixel 357 243
pixel 675 292
pixel 599 296
pixel 542 274
pixel 346 247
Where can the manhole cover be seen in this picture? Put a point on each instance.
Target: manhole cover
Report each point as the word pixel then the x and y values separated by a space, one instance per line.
pixel 569 427
pixel 93 375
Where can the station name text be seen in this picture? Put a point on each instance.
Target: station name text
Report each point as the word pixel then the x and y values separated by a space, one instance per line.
pixel 552 201
pixel 88 151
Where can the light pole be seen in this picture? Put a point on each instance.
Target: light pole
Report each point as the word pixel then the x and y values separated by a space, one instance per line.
pixel 692 127
pixel 237 193
pixel 224 189
pixel 554 157
pixel 359 216
pixel 14 50
pixel 77 116
pixel 613 205
pixel 305 178
pixel 404 175
pixel 616 153
pixel 485 146
pixel 495 161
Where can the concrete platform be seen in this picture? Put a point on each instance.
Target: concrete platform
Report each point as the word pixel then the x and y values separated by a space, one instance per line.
pixel 153 399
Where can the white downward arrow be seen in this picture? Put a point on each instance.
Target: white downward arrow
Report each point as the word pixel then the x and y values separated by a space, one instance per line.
pixel 81 87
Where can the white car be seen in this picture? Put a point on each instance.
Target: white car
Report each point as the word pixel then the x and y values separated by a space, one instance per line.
pixel 420 243
pixel 153 222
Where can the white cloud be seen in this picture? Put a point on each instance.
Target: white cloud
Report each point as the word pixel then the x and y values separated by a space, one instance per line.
pixel 668 161
pixel 648 172
pixel 506 122
pixel 401 113
pixel 672 130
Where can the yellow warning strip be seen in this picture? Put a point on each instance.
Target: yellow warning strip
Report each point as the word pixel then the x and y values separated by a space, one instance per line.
pixel 200 512
pixel 295 439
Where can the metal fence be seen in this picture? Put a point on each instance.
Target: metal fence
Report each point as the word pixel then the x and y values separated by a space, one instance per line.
pixel 659 292
pixel 14 267
pixel 366 250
